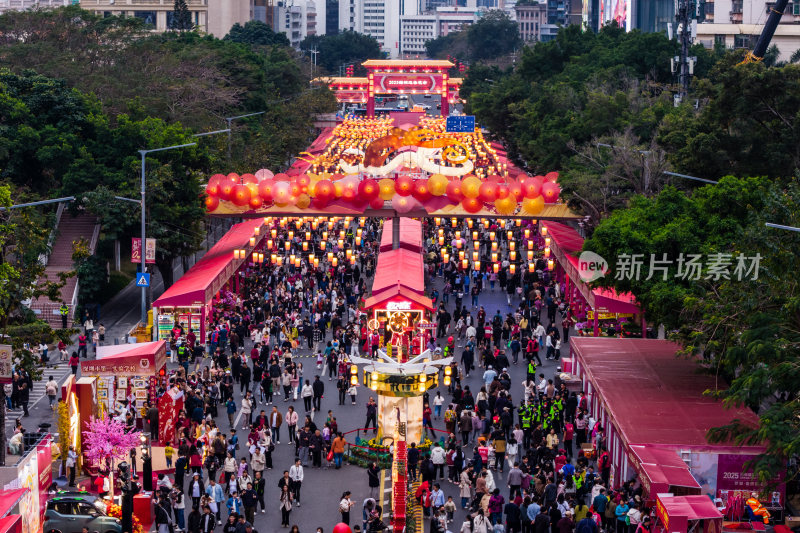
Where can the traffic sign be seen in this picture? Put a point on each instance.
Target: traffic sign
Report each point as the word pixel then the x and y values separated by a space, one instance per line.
pixel 142 279
pixel 460 124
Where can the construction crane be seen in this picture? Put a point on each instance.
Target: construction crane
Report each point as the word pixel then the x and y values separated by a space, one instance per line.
pixel 775 14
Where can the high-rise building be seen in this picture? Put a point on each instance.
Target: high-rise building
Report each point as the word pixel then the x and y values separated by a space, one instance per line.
pixel 23 5
pixel 416 30
pixel 212 16
pixel 379 19
pixel 300 18
pixel 331 17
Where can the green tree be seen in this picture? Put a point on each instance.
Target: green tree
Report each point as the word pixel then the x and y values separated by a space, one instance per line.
pixel 256 33
pixel 345 48
pixel 495 34
pixel 181 17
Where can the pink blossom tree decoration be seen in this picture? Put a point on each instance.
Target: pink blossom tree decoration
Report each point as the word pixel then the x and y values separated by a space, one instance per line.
pixel 106 440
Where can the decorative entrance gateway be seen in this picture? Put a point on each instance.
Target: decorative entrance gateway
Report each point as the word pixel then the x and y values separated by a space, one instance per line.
pixel 397 77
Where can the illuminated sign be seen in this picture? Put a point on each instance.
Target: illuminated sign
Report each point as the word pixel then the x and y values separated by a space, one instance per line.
pixel 397 385
pixel 398 306
pixel 398 83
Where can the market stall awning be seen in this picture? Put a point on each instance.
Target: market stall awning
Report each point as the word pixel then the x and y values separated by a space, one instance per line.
pixel 652 396
pixel 658 478
pixel 127 360
pixel 675 512
pixel 11 524
pixel 565 244
pixel 208 275
pixel 399 267
pixel 410 235
pixel 397 293
pixel 9 499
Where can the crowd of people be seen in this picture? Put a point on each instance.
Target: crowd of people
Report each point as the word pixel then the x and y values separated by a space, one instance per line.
pixel 516 427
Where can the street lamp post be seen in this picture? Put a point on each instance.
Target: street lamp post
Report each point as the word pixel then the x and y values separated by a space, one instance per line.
pixel 142 203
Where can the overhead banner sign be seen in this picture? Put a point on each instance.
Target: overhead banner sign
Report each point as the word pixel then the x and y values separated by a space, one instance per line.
pixel 136 250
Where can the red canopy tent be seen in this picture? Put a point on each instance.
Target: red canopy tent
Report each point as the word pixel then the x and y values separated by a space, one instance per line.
pixel 399 267
pixel 410 235
pixel 565 244
pixel 680 514
pixel 192 293
pixel 11 524
pixel 9 499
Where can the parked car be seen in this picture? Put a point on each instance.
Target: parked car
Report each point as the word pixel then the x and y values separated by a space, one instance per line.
pixel 71 513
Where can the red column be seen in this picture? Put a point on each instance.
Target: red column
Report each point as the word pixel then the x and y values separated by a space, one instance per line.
pixel 445 101
pixel 596 325
pixel 370 95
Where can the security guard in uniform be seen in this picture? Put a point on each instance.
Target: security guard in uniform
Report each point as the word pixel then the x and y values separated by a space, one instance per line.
pixel 64 310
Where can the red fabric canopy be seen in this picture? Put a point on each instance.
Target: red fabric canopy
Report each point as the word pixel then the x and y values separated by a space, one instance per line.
pixel 131 360
pixel 399 267
pixel 208 275
pixel 410 235
pixel 11 524
pixel 654 397
pixel 692 507
pixel 564 236
pixel 10 498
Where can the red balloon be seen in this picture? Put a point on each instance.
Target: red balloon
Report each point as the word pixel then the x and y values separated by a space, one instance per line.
pixel 404 186
pixel 376 203
pixel 226 190
pixel 249 178
pixel 341 527
pixel 212 203
pixel 241 195
pixel 368 189
pixel 532 187
pixel 453 191
pixel 280 176
pixel 324 190
pixel 488 191
pixel 421 191
pixel 265 190
pixel 472 205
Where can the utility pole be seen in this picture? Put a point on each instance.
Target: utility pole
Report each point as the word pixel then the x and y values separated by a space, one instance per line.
pixel 313 53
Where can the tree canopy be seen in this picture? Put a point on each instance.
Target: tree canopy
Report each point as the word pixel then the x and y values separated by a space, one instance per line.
pixel 345 48
pixel 256 33
pixel 495 34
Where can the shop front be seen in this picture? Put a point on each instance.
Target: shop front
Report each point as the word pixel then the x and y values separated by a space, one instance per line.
pixel 203 291
pixel 127 374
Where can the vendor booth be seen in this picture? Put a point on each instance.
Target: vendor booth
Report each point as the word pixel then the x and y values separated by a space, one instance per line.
pixel 190 301
pixel 686 514
pixel 131 372
pixel 10 501
pixel 596 310
pixel 655 416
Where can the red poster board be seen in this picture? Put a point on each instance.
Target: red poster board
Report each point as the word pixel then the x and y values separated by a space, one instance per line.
pixel 44 456
pixel 733 475
pixel 169 405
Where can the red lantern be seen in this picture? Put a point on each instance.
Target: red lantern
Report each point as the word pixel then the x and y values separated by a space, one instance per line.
pixel 323 191
pixel 212 188
pixel 319 203
pixel 502 192
pixel 265 190
pixel 532 187
pixel 550 191
pixel 280 176
pixel 304 180
pixel 212 203
pixel 453 192
pixel 488 191
pixel 226 190
pixel 233 177
pixel 255 200
pixel 249 178
pixel 515 188
pixel 280 193
pixel 421 191
pixel 341 527
pixel 295 189
pixel 404 186
pixel 368 189
pixel 241 195
pixel 472 205
pixel 551 177
pixel 376 203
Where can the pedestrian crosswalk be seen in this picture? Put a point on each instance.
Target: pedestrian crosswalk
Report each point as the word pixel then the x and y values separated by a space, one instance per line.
pixel 37 400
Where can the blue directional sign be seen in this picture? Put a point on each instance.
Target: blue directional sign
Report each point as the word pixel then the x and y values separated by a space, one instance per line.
pixel 142 279
pixel 460 124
